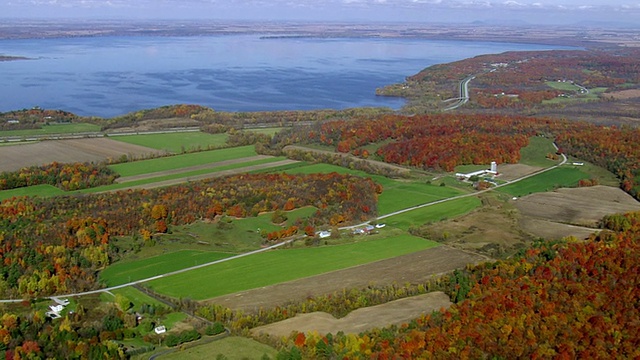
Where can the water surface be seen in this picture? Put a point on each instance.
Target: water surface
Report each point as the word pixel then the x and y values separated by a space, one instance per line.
pixel 110 76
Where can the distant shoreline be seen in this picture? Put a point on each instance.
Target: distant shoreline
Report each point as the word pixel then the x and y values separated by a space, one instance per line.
pixel 526 34
pixel 12 58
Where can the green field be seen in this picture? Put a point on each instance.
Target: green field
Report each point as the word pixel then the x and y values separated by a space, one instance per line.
pixel 232 348
pixel 53 128
pixel 175 142
pixel 182 161
pixel 36 190
pixel 563 86
pixel 186 175
pixel 128 271
pixel 433 213
pixel 134 295
pixel 396 195
pixel 283 265
pixel 565 176
pixel 535 153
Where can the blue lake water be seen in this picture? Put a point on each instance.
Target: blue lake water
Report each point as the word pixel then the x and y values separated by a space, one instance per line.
pixel 110 76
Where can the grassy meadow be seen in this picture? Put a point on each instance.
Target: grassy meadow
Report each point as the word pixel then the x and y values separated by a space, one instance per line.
pixel 282 265
pixel 182 161
pixel 565 176
pixel 433 213
pixel 53 129
pixel 36 190
pixel 123 272
pixel 175 142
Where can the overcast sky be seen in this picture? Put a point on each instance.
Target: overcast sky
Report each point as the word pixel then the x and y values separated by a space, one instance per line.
pixel 530 11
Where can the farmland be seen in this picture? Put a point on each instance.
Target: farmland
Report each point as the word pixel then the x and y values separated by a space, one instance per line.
pixel 566 176
pixel 283 265
pixel 176 142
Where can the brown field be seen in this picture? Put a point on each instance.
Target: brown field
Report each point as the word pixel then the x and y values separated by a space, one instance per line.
pixel 508 172
pixel 412 268
pixel 579 206
pixel 393 313
pixel 493 230
pixel 625 94
pixel 157 124
pixel 67 151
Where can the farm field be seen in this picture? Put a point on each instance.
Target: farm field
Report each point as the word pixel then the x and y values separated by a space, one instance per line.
pixel 416 267
pixel 232 348
pixel 396 312
pixel 128 271
pixel 177 177
pixel 283 265
pixel 134 295
pixel 535 153
pixel 580 206
pixel 200 169
pixel 175 142
pixel 37 190
pixel 52 129
pixel 182 161
pixel 433 213
pixel 68 151
pixel 565 176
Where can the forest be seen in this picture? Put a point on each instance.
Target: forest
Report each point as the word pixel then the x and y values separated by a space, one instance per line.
pixel 444 141
pixel 563 300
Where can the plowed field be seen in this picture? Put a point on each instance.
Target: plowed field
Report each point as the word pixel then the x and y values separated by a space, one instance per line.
pixel 67 151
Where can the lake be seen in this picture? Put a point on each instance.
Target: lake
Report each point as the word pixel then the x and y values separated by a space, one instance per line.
pixel 110 76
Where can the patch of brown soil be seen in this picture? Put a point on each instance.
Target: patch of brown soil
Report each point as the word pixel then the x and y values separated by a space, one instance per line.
pixel 67 151
pixel 508 172
pixel 492 230
pixel 579 206
pixel 625 94
pixel 412 268
pixel 393 313
pixel 553 230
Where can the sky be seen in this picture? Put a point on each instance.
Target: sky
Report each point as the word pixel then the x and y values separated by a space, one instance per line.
pixel 624 12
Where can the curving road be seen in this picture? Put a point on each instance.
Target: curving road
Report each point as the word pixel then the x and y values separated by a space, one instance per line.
pixel 463 94
pixel 564 160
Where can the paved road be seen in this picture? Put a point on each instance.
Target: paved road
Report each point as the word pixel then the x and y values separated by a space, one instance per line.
pixel 463 93
pixel 564 160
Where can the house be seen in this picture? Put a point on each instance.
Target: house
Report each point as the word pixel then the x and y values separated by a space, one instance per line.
pixel 63 302
pixel 160 329
pixel 55 311
pixel 323 234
